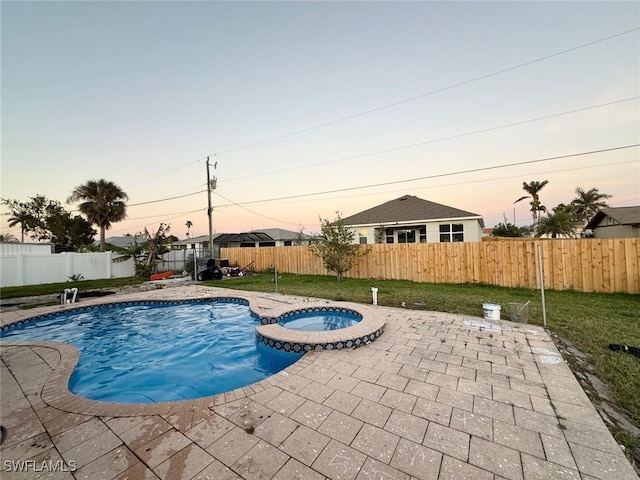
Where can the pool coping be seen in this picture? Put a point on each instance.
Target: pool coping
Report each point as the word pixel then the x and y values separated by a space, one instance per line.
pixel 266 307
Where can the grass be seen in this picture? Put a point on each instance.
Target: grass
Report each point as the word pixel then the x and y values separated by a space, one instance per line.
pixel 590 321
pixel 51 288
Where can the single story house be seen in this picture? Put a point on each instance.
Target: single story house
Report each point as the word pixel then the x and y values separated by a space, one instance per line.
pixel 410 219
pixel 616 222
pixel 268 237
pixel 284 238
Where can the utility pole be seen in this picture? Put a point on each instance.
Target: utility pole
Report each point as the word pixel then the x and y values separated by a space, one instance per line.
pixel 211 186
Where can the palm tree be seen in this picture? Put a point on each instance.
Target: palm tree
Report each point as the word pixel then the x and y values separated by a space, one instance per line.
pixel 533 188
pixel 22 218
pixel 102 204
pixel 557 223
pixel 586 204
pixel 188 225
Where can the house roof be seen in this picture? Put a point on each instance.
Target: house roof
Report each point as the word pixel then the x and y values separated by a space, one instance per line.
pixel 281 234
pixel 122 242
pixel 198 239
pixel 243 237
pixel 407 208
pixel 265 235
pixel 622 215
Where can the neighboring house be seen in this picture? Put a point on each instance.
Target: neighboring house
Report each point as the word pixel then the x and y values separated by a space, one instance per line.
pixel 268 237
pixel 284 238
pixel 410 219
pixel 124 241
pixel 616 222
pixel 199 243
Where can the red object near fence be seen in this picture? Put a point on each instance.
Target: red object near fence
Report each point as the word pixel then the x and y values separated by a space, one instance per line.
pixel 161 276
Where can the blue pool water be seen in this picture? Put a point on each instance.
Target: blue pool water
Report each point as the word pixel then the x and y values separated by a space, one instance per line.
pixel 156 352
pixel 320 322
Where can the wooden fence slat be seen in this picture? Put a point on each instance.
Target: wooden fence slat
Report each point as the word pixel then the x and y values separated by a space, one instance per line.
pixel 632 270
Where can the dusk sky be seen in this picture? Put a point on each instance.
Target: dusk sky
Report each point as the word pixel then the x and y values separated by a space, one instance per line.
pixel 309 108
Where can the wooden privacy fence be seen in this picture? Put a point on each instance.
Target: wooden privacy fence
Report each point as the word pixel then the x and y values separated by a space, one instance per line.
pixel 588 265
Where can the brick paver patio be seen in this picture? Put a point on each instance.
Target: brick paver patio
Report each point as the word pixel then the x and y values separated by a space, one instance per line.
pixel 437 396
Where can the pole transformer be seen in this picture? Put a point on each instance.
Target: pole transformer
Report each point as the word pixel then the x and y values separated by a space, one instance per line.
pixel 211 186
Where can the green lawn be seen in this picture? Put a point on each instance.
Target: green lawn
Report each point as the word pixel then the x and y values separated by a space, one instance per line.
pixel 51 288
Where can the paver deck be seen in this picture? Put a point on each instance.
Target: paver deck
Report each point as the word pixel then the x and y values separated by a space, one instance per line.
pixel 436 396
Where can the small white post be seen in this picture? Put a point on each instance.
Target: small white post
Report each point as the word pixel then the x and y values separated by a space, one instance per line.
pixel 374 291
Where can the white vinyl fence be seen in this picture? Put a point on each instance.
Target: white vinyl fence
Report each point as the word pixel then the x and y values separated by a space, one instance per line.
pixel 35 269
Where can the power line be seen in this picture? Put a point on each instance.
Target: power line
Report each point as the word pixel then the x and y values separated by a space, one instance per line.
pixel 165 173
pixel 235 204
pixel 255 213
pixel 441 139
pixel 165 199
pixel 438 186
pixel 414 179
pixel 178 214
pixel 492 179
pixel 432 92
pixel 401 147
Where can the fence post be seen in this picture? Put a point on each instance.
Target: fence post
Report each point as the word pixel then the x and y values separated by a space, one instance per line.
pixel 21 269
pixel 69 264
pixel 541 270
pixel 109 266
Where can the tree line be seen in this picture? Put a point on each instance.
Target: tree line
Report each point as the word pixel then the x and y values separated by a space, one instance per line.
pixel 562 220
pixel 101 202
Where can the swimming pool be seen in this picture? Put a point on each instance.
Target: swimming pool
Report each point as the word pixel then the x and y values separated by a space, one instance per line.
pixel 143 352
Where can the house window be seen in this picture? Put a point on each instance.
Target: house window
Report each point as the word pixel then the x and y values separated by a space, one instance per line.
pixel 423 234
pixel 362 236
pixel 452 232
pixel 389 235
pixel 267 244
pixel 406 236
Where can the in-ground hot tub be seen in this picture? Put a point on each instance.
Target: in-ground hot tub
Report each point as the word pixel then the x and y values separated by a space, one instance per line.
pixel 304 330
pixel 321 322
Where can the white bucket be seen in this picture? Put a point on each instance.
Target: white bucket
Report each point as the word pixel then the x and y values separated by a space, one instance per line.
pixel 491 311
